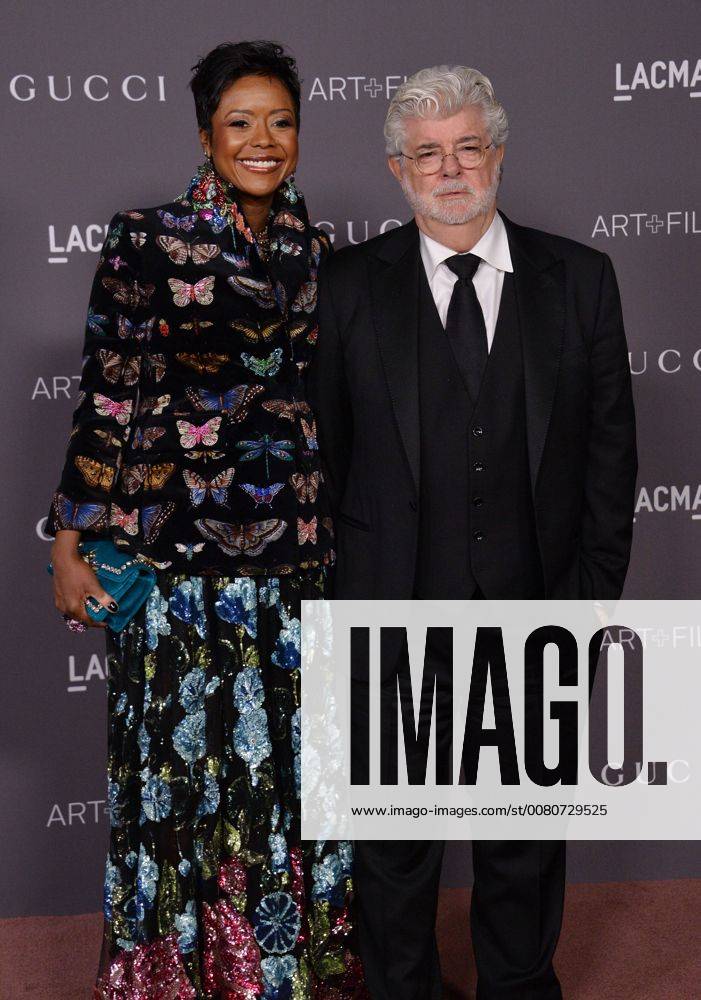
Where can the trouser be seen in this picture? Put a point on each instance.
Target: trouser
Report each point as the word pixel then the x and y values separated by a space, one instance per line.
pixel 515 916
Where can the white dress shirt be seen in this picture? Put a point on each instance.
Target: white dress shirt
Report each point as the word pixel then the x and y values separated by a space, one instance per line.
pixel 493 248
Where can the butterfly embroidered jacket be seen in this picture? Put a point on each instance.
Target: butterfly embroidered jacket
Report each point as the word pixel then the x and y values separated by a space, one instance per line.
pixel 193 443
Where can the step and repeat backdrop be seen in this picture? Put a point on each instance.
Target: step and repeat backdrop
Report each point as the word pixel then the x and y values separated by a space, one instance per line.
pixel 605 108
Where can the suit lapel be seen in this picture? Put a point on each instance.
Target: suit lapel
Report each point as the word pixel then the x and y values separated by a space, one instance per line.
pixel 394 277
pixel 539 281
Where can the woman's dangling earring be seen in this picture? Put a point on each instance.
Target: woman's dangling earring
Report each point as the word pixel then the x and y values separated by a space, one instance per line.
pixel 289 190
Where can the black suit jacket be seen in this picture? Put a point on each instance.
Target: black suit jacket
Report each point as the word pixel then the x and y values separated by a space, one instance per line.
pixel 579 411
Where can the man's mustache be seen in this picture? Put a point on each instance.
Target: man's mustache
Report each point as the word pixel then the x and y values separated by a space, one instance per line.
pixel 450 187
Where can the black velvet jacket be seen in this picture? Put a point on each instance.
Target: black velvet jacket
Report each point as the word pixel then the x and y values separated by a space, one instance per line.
pixel 193 443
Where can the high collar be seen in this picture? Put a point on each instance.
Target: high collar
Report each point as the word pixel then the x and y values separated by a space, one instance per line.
pixel 208 192
pixel 294 254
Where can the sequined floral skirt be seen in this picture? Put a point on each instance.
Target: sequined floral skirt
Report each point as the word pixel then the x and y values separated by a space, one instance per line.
pixel 209 891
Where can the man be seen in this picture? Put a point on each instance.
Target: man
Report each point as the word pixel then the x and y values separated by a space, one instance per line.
pixel 476 422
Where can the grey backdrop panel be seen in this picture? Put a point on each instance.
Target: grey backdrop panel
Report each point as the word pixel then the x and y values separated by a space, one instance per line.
pixel 99 118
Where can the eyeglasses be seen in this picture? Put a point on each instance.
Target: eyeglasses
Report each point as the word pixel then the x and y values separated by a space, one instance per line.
pixel 467 154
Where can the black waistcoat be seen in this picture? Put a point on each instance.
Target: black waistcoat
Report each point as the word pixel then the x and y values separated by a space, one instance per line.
pixel 476 523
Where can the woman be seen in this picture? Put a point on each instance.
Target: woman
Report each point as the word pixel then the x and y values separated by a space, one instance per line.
pixel 193 447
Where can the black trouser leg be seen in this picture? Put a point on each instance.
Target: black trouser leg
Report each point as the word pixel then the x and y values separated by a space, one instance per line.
pixel 396 902
pixel 516 916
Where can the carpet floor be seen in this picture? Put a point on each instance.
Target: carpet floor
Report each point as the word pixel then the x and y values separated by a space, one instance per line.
pixel 620 941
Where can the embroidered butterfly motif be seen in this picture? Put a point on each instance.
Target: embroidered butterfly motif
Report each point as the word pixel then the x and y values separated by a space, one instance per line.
pixel 132 214
pixel 114 236
pixel 305 300
pixel 260 291
pixel 154 404
pixel 156 366
pixel 241 539
pixel 263 367
pixel 309 431
pixel 306 531
pixel 235 401
pixel 79 516
pixel 239 260
pixel 316 246
pixel 153 518
pixel 297 328
pixel 281 297
pixel 306 487
pixel 138 239
pixel 204 456
pixel 285 218
pixel 262 494
pixel 265 445
pixel 184 293
pixel 255 332
pixel 120 410
pixel 97 474
pixel 217 488
pixel 197 325
pixel 108 439
pixel 139 331
pixel 284 245
pixel 150 477
pixel 206 364
pixel 96 321
pixel 186 222
pixel 132 294
pixel 116 368
pixel 217 222
pixel 286 408
pixel 127 522
pixel 179 252
pixel 192 434
pixel 117 262
pixel 189 549
pixel 145 438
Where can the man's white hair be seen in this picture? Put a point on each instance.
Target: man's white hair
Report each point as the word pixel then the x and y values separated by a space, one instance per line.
pixel 440 92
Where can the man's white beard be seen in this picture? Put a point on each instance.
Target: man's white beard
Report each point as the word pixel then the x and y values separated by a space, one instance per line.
pixel 453 212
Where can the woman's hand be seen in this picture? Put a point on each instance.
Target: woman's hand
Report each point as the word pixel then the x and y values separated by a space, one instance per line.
pixel 74 580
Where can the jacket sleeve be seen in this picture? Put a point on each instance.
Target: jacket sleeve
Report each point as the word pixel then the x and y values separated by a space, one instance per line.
pixel 611 469
pixel 116 324
pixel 328 394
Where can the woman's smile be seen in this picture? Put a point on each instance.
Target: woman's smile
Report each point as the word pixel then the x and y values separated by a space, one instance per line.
pixel 260 165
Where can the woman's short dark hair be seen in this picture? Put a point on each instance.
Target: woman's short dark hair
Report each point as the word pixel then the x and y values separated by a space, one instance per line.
pixel 232 60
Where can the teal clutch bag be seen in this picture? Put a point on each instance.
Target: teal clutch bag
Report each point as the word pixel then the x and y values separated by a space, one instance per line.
pixel 127 579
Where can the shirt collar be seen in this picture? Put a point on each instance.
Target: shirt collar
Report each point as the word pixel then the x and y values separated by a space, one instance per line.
pixel 492 247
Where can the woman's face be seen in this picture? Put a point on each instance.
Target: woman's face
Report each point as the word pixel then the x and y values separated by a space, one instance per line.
pixel 253 135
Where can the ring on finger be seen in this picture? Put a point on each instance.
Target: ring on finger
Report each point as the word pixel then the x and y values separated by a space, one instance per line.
pixel 74 624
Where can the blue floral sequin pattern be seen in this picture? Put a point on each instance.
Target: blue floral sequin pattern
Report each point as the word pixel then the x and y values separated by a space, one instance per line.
pixel 189 737
pixel 157 623
pixel 208 884
pixel 287 647
pixel 251 738
pixel 237 604
pixel 277 922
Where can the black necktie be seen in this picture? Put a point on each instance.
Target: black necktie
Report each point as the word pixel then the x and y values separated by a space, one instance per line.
pixel 464 326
